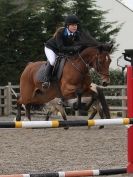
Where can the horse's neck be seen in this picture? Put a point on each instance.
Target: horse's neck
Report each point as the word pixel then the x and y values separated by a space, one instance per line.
pixel 88 54
pixel 78 64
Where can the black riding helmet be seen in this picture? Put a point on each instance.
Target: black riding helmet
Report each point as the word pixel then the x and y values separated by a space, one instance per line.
pixel 71 19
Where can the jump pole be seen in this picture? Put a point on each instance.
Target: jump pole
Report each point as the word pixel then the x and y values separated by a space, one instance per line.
pixel 79 173
pixel 128 56
pixel 62 123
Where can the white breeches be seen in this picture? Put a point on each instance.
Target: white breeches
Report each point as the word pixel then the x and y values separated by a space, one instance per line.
pixel 51 56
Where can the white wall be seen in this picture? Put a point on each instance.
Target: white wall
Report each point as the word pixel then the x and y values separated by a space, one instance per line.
pixel 120 13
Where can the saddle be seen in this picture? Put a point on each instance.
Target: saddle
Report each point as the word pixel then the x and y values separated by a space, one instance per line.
pixel 57 70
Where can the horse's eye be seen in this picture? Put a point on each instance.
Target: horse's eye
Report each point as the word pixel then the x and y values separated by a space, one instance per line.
pixel 107 58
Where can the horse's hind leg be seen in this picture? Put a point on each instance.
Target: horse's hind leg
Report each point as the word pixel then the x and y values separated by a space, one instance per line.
pixel 18 115
pixel 27 111
pixel 101 114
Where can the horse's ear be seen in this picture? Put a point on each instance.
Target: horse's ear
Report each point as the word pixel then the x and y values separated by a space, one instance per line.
pixel 105 47
pixel 110 47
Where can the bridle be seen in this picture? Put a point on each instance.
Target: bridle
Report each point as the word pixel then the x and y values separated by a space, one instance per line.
pixel 98 67
pixel 88 65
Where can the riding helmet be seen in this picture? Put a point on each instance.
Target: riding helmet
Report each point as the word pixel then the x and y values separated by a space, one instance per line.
pixel 71 19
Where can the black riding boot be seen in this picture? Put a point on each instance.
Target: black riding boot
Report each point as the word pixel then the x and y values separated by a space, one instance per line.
pixel 48 75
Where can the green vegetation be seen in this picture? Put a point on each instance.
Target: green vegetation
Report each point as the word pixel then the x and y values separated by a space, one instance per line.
pixel 26 25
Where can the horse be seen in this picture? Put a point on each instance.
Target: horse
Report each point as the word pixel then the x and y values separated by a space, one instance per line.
pixel 97 103
pixel 74 77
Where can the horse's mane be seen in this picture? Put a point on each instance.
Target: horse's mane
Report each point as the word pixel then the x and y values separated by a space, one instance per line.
pixel 86 40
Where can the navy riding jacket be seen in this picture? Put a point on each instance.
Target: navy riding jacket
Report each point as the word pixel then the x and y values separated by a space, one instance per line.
pixel 61 42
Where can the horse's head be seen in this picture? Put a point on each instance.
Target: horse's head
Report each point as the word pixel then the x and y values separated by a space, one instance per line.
pixel 103 61
pixel 99 59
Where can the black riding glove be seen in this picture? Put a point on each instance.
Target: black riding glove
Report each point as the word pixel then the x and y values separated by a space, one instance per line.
pixel 76 48
pixel 71 49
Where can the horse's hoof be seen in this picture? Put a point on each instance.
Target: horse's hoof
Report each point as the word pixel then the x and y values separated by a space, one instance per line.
pixel 101 127
pixel 66 128
pixel 17 119
pixel 46 118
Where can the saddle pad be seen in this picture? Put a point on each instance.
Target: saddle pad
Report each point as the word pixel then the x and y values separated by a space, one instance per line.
pixel 40 75
pixel 57 72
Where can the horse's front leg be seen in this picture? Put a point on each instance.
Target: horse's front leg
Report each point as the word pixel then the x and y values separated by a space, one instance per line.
pixel 93 113
pixel 95 97
pixel 61 109
pixel 65 119
pixel 89 104
pixel 48 115
pixel 103 103
pixel 27 111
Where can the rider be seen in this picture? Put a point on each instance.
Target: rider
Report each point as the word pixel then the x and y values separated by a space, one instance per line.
pixel 63 42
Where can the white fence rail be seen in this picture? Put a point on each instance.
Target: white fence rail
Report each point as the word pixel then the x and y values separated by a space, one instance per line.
pixel 116 97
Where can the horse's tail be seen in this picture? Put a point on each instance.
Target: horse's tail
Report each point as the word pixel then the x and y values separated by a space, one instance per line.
pixel 103 102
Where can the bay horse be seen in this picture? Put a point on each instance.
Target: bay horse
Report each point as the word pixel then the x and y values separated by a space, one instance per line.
pixel 74 77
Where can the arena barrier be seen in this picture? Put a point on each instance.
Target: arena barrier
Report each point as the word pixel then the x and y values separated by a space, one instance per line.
pixel 130 110
pixel 73 173
pixel 62 123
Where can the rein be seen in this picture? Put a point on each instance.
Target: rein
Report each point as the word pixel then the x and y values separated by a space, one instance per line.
pixel 76 67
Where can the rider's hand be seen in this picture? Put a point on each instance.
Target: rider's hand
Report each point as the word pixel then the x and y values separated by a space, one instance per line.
pixel 76 48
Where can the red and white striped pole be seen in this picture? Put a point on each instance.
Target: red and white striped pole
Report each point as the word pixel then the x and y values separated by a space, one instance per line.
pixel 130 115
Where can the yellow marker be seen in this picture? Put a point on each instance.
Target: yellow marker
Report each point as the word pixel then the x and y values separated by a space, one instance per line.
pixel 18 124
pixel 55 123
pixel 91 122
pixel 126 121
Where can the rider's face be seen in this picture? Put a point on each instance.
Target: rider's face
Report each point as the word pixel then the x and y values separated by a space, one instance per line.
pixel 72 28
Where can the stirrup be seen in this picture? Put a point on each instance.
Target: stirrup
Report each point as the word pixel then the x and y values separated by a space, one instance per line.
pixel 45 84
